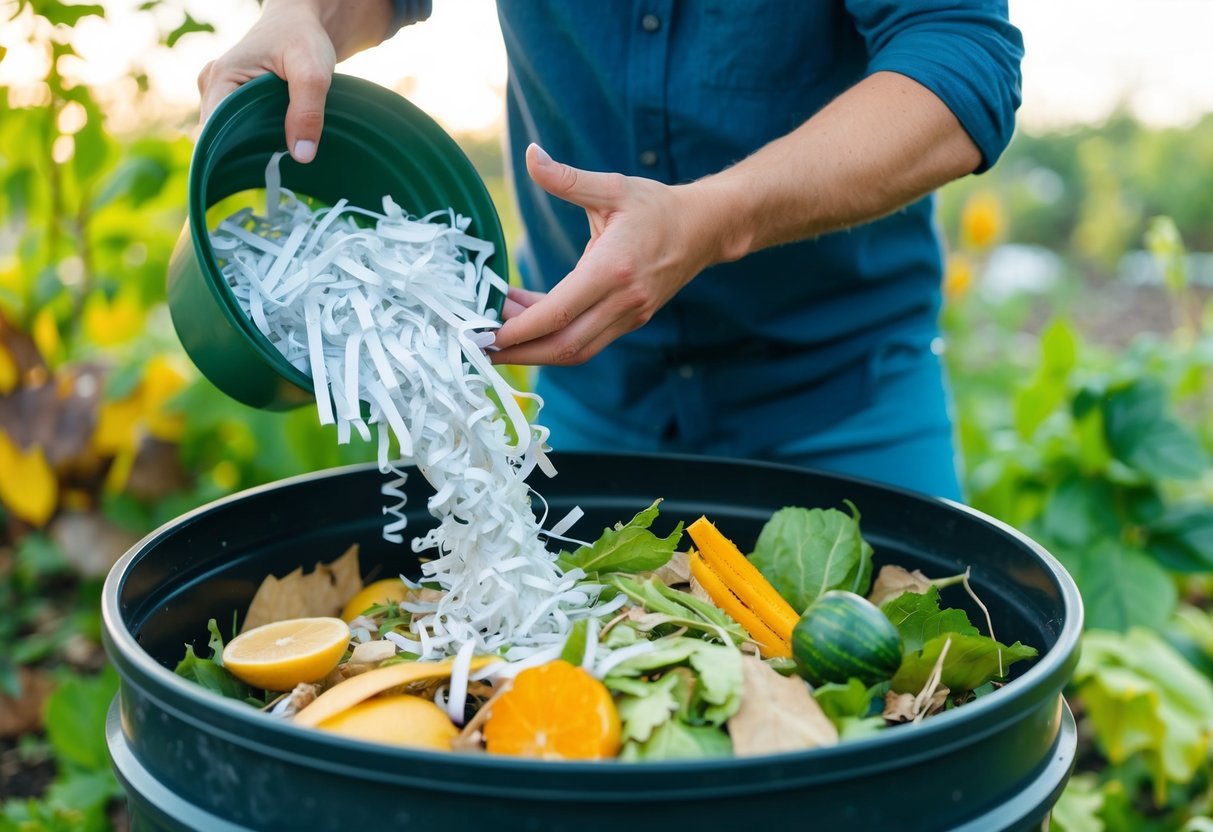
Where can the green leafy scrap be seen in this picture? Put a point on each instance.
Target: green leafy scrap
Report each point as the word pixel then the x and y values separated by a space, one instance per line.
pixel 209 672
pixel 645 706
pixel 719 679
pixel 919 619
pixel 850 700
pixel 574 647
pixel 628 547
pixel 672 609
pixel 676 740
pixel 971 661
pixel 806 552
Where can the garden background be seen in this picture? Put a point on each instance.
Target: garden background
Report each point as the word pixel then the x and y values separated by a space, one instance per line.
pixel 1079 336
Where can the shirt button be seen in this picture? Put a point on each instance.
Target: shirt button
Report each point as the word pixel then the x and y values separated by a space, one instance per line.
pixel 650 23
pixel 648 158
pixel 686 371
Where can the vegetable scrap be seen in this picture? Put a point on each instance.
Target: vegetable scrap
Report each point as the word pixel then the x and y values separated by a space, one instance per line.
pixel 629 647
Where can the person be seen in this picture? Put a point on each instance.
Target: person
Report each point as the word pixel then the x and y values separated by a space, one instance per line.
pixel 760 272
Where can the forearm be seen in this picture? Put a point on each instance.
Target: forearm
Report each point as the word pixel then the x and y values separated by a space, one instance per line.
pixel 352 25
pixel 884 143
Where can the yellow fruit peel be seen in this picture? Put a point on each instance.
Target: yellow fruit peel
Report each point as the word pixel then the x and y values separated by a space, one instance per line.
pixel 345 695
pixel 403 720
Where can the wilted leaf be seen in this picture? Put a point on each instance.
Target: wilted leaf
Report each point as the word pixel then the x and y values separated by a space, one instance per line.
pixel 322 592
pixel 892 581
pixel 903 707
pixel 777 713
pixel 805 552
pixel 971 662
pixel 90 543
pixel 1142 698
pixel 676 571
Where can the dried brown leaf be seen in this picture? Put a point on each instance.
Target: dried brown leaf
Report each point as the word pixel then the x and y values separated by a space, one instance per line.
pixel 471 738
pixel 90 543
pixel 23 714
pixel 322 592
pixel 902 707
pixel 892 581
pixel 777 713
pixel 676 572
pixel 373 652
pixel 303 695
pixel 697 591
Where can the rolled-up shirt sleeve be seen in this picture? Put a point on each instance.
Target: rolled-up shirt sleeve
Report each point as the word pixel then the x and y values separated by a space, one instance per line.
pixel 965 51
pixel 408 12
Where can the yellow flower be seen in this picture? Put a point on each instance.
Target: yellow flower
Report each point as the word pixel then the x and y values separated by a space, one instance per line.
pixel 226 475
pixel 28 486
pixel 958 277
pixel 112 321
pixel 981 220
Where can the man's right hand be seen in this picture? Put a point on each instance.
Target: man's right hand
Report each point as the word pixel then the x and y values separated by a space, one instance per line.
pixel 300 41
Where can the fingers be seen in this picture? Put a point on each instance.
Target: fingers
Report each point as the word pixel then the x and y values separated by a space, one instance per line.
pixel 307 83
pixel 213 89
pixel 517 300
pixel 581 187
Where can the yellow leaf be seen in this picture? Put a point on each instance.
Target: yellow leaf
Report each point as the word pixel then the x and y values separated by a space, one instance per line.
pixel 117 426
pixel 161 382
pixel 112 321
pixel 46 335
pixel 28 486
pixel 9 374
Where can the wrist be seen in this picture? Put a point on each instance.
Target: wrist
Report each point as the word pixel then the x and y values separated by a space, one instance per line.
pixel 717 211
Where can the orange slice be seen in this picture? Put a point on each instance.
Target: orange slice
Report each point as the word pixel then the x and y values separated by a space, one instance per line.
pixel 280 655
pixel 555 712
pixel 387 591
pixel 396 720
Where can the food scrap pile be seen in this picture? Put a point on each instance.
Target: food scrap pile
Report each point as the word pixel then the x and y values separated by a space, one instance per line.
pixel 518 639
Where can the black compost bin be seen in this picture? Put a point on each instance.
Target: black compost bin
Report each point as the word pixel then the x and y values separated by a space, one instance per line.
pixel 192 760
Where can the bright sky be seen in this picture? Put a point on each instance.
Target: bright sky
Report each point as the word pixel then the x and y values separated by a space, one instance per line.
pixel 1083 57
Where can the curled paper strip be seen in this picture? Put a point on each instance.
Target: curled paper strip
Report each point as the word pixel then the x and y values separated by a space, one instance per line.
pixel 388 315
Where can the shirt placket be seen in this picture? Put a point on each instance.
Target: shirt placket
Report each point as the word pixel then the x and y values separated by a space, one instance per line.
pixel 649 67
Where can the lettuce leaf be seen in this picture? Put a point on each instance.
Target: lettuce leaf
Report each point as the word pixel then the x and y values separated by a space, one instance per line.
pixel 806 552
pixel 629 547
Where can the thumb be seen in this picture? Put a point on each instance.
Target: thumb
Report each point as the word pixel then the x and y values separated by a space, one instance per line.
pixel 581 187
pixel 308 83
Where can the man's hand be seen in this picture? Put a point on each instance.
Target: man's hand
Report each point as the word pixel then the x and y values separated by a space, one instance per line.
pixel 300 41
pixel 647 241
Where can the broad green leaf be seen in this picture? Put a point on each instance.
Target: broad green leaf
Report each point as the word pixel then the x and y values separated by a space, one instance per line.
pixel 970 663
pixel 1142 698
pixel 188 26
pixel 628 547
pixel 676 740
pixel 919 619
pixel 574 647
pixel 1079 511
pixel 805 552
pixel 644 706
pixel 210 673
pixel 1143 436
pixel 1182 540
pixel 75 719
pixel 839 701
pixel 1121 586
pixel 1049 388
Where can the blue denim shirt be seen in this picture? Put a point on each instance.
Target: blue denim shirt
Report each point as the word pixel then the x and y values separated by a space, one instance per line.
pixel 753 353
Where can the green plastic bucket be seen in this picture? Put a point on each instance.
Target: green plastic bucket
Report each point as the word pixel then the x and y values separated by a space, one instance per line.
pixel 375 143
pixel 192 760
